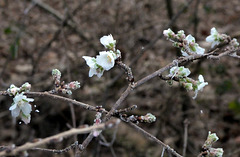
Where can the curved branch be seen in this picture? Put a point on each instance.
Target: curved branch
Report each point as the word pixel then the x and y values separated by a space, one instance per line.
pixel 71 132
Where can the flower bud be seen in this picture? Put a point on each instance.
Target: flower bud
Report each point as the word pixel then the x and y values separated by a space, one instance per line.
pixel 13 90
pixel 26 87
pixel 56 74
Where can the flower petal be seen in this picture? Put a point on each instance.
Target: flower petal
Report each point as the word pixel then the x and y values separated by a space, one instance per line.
pixel 90 61
pixel 15 112
pixel 200 78
pixel 26 108
pixel 190 38
pixel 105 60
pixel 13 106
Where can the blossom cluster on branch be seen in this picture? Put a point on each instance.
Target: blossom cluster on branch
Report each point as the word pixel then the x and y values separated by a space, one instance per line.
pixel 106 59
pixel 189 47
pixel 20 106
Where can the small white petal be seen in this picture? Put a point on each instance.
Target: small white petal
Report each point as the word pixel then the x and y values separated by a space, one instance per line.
pixel 15 112
pixel 29 99
pixel 200 78
pixel 26 109
pixel 215 43
pixel 173 70
pixel 214 31
pixel 99 74
pixel 90 61
pixel 13 107
pixel 210 39
pixel 27 119
pixel 200 87
pixel 105 60
pixel 107 40
pixel 200 50
pixel 190 38
pixel 92 72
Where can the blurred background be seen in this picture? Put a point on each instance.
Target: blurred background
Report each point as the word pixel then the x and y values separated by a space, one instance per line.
pixel 37 36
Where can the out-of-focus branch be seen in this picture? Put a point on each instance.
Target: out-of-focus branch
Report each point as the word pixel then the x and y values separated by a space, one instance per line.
pixel 159 36
pixel 153 138
pixel 72 24
pixel 71 132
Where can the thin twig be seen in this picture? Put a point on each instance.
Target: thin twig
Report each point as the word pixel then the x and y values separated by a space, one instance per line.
pixel 71 132
pixel 127 70
pixel 60 17
pixel 72 146
pixel 151 137
pixel 148 46
pixel 163 150
pixel 68 100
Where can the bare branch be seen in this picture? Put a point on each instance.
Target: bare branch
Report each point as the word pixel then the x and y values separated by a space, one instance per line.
pixel 65 134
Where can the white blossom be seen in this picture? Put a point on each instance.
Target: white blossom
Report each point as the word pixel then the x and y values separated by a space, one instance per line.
pixel 105 60
pixel 200 85
pixel 21 107
pixel 168 33
pixel 108 42
pixel 13 90
pixel 26 87
pixel 95 69
pixel 179 71
pixel 234 42
pixel 216 152
pixel 191 46
pixel 214 38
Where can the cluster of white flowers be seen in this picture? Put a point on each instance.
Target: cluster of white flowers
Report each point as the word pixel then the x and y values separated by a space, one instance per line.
pixel 179 71
pixel 187 44
pixel 199 85
pixel 215 38
pixel 182 74
pixel 105 60
pixel 20 106
pixel 13 90
pixel 191 47
pixel 212 152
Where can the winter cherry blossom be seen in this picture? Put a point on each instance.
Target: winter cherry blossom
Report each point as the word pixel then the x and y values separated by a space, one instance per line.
pixel 234 43
pixel 95 69
pixel 108 42
pixel 56 74
pixel 191 46
pixel 13 90
pixel 216 152
pixel 179 71
pixel 21 107
pixel 214 38
pixel 73 85
pixel 168 33
pixel 200 85
pixel 105 60
pixel 26 87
